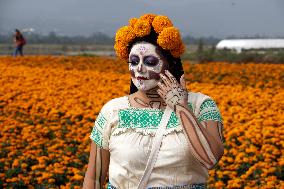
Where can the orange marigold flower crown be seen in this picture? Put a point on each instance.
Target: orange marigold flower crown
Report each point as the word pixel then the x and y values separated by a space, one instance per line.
pixel 168 37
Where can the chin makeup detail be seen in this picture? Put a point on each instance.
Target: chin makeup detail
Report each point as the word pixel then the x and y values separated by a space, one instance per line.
pixel 144 84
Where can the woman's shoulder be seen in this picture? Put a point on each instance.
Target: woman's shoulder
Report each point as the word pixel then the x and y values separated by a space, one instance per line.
pixel 197 99
pixel 205 107
pixel 115 103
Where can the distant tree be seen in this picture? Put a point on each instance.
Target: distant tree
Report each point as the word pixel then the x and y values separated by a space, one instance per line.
pixel 52 37
pixel 190 40
pixel 200 46
pixel 101 38
pixel 213 48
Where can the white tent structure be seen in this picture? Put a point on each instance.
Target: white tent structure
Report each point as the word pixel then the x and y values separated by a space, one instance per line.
pixel 241 44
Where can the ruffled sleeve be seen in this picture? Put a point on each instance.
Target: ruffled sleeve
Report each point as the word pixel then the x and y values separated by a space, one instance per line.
pixel 208 110
pixel 102 127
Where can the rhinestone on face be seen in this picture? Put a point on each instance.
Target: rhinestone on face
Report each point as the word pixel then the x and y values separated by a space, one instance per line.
pixel 143 49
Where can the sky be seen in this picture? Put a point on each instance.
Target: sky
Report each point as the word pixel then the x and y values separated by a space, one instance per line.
pixel 198 18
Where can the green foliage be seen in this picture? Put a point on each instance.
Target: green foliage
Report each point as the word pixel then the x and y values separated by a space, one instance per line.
pixel 10 173
pixel 280 172
pixel 60 179
pixel 243 169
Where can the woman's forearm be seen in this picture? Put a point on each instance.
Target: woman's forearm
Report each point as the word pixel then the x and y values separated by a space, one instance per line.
pixel 97 169
pixel 206 149
pixel 89 183
pixel 92 176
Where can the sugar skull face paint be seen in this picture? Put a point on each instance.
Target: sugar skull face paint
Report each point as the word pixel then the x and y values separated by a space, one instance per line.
pixel 145 65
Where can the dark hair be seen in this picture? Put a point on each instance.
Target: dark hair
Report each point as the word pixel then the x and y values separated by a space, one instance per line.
pixel 175 64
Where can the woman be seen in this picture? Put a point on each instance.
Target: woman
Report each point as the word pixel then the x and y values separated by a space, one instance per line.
pixel 19 41
pixel 123 133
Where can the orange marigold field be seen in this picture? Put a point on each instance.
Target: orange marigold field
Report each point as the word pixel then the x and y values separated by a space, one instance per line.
pixel 48 106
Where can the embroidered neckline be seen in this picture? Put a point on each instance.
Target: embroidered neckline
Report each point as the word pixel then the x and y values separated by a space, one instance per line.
pixel 151 109
pixel 139 108
pixel 144 118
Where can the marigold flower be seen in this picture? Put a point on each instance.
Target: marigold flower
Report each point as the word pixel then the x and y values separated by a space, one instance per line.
pixel 15 163
pixel 148 17
pixel 121 50
pixel 160 23
pixel 132 22
pixel 125 34
pixel 179 51
pixel 142 28
pixel 77 177
pixel 51 180
pixel 24 165
pixel 169 38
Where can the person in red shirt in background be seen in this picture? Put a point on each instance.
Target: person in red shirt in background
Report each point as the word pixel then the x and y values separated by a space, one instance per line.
pixel 19 42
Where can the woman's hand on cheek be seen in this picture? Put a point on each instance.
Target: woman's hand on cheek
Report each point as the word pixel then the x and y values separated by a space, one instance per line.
pixel 171 91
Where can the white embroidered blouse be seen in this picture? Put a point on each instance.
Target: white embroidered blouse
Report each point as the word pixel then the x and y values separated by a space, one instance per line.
pixel 127 132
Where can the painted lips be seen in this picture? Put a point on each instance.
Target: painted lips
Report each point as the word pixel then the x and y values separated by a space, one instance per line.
pixel 142 78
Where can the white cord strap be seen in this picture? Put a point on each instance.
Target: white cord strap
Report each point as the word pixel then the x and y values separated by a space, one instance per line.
pixel 157 141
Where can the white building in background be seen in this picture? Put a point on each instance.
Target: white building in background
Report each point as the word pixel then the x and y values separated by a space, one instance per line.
pixel 247 44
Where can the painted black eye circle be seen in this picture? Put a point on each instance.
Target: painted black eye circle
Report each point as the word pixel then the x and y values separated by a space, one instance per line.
pixel 133 63
pixel 134 60
pixel 151 60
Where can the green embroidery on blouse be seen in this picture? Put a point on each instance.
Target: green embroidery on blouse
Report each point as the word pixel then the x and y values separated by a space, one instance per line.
pixel 101 120
pixel 96 136
pixel 145 118
pixel 149 119
pixel 212 114
pixel 191 106
pixel 97 131
pixel 207 104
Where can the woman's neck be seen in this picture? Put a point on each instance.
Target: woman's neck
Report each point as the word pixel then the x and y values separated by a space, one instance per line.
pixel 149 98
